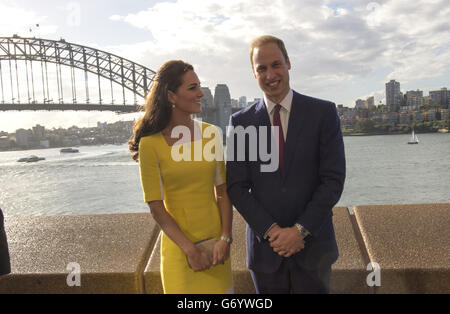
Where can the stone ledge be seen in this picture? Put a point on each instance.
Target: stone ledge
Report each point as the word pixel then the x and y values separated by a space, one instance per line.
pixel 55 283
pixel 111 250
pixel 411 244
pixel 348 274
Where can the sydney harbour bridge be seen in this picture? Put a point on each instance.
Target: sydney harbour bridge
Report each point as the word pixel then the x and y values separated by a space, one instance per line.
pixel 42 74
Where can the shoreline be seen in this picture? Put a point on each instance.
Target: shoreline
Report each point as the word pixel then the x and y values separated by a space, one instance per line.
pixel 39 148
pixel 441 131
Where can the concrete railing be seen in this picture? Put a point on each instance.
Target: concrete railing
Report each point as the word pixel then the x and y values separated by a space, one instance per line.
pixel 119 253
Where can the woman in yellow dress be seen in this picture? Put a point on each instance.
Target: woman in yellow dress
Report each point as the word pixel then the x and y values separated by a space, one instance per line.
pixel 184 187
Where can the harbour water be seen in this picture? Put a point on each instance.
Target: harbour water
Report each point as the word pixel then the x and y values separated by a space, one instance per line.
pixel 104 179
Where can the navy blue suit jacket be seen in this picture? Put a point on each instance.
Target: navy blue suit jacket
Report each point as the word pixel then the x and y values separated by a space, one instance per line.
pixel 305 192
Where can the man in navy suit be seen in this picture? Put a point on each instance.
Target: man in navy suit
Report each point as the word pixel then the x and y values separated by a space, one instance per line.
pixel 291 243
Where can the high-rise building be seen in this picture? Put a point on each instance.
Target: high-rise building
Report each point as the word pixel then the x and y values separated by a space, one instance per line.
pixel 359 104
pixel 207 99
pixel 253 101
pixel 440 97
pixel 370 102
pixel 22 137
pixel 222 102
pixel 393 95
pixel 242 101
pixel 445 114
pixel 208 109
pixel 222 95
pixel 4 141
pixel 414 99
pixel 38 132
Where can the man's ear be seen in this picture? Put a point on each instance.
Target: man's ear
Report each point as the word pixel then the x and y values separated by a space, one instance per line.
pixel 253 71
pixel 288 62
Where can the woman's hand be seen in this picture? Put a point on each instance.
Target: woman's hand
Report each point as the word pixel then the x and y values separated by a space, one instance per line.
pixel 221 252
pixel 199 260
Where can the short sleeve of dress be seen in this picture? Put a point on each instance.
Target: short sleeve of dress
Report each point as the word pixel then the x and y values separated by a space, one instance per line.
pixel 220 164
pixel 149 171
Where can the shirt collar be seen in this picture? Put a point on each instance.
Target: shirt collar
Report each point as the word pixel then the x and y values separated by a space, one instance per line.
pixel 286 103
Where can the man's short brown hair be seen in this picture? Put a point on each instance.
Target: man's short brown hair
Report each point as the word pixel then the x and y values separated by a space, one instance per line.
pixel 265 39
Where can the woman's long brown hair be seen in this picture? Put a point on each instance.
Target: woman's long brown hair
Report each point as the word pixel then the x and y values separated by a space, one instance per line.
pixel 158 109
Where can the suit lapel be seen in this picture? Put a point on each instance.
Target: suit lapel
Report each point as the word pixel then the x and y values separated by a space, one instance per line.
pixel 296 122
pixel 261 114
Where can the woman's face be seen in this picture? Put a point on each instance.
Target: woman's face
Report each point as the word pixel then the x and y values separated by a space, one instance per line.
pixel 187 97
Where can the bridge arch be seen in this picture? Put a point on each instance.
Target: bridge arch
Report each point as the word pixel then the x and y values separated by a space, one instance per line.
pixel 129 75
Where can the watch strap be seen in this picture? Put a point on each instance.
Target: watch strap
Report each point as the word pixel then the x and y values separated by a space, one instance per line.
pixel 226 239
pixel 302 230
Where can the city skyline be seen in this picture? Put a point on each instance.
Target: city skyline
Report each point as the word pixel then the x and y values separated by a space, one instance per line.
pixel 223 100
pixel 340 51
pixel 400 113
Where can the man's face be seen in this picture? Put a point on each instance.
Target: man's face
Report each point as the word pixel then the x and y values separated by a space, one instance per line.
pixel 271 70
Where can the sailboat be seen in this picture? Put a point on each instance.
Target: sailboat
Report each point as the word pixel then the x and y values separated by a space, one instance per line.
pixel 414 139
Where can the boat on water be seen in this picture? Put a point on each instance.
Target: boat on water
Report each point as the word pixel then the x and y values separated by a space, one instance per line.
pixel 32 158
pixel 414 139
pixel 69 150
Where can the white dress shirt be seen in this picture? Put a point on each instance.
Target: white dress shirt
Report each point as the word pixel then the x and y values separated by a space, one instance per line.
pixel 285 110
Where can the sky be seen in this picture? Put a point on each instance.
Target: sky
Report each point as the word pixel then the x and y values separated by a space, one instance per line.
pixel 339 50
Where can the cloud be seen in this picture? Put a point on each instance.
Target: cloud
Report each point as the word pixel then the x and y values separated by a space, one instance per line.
pixel 116 17
pixel 21 21
pixel 328 43
pixel 334 46
pixel 417 36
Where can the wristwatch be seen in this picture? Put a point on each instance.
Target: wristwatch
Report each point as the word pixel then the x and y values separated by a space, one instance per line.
pixel 226 239
pixel 302 230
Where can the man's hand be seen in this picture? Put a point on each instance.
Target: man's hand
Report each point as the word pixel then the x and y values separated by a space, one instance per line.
pixel 286 241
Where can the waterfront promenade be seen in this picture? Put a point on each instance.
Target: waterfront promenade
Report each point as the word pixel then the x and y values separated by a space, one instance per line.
pixel 119 253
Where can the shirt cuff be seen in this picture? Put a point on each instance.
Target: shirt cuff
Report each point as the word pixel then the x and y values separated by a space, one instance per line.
pixel 265 234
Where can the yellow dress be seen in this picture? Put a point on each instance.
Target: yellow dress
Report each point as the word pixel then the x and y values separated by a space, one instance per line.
pixel 183 176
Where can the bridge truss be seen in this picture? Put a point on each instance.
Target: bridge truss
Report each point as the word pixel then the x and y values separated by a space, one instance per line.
pixel 42 74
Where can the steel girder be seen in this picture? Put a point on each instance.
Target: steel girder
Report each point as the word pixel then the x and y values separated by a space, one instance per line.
pixel 135 77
